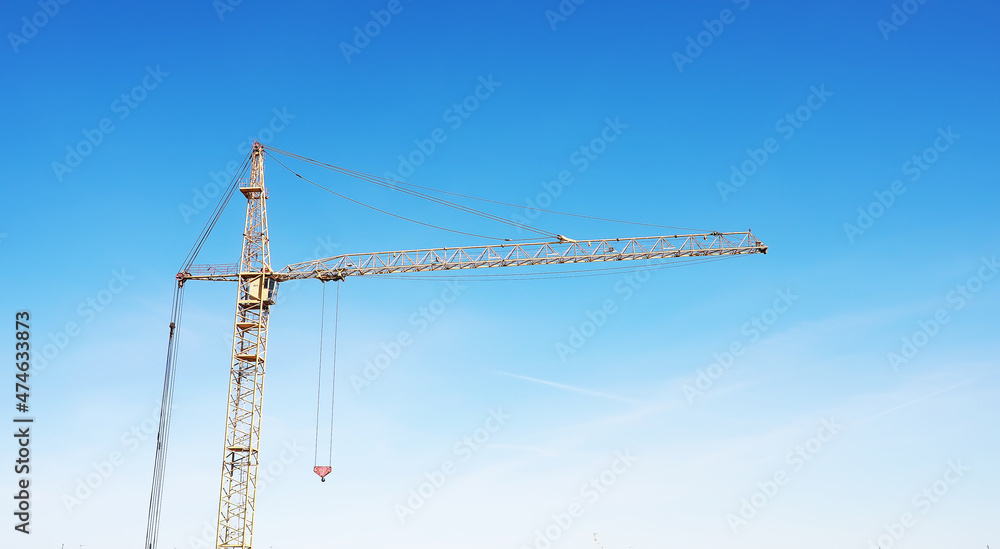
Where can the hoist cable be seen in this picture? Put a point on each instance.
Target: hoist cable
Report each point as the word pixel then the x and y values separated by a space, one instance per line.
pixel 166 412
pixel 333 382
pixel 319 383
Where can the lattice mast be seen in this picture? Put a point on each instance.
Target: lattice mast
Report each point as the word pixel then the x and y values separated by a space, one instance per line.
pixel 255 295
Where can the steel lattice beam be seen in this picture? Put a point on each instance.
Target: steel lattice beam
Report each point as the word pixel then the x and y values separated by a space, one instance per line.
pixel 246 380
pixel 503 255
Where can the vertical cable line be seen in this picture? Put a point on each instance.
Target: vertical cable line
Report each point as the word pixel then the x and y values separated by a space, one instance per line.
pixel 333 383
pixel 319 381
pixel 169 375
pixel 166 407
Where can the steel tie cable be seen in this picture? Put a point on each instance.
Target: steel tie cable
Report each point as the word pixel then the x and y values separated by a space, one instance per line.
pixel 394 182
pixel 393 186
pixel 311 182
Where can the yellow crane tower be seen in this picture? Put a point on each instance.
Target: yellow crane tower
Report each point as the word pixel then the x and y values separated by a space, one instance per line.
pixel 257 285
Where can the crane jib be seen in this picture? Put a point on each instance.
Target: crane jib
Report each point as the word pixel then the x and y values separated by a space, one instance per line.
pixel 502 255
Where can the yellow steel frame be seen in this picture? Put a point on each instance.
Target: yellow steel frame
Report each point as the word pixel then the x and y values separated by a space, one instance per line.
pixel 246 381
pixel 257 284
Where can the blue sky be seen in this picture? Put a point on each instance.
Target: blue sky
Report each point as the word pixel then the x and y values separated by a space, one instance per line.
pixel 862 133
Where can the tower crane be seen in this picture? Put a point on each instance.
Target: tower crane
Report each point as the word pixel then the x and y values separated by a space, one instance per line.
pixel 257 286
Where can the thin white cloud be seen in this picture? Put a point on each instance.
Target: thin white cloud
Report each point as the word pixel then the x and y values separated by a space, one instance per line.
pixel 916 400
pixel 527 448
pixel 570 388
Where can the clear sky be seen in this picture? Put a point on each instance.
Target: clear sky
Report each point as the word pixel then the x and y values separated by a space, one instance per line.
pixel 839 392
